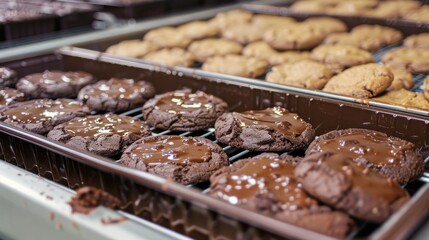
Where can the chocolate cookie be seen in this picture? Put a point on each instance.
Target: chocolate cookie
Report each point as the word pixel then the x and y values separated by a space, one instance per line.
pixel 405 98
pixel 167 37
pixel 225 19
pixel 267 21
pixel 116 95
pixel 171 57
pixel 401 79
pixel 42 115
pixel 54 84
pixel 272 129
pixel 197 30
pixel 390 156
pixel 417 41
pixel 363 81
pixel 206 48
pixel 338 181
pixel 414 60
pixel 266 184
pixel 293 37
pixel 338 57
pixel 306 74
pixel 9 96
pixel 132 48
pixel 325 25
pixel 186 160
pixel 183 110
pixel 265 52
pixel 236 65
pixel 243 33
pixel 7 77
pixel 106 135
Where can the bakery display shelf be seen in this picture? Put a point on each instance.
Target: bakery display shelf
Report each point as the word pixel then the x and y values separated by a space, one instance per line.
pixel 42 207
pixel 47 43
pixel 407 28
pixel 182 208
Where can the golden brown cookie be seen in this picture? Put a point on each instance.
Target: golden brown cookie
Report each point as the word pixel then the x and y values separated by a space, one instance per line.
pixel 308 6
pixel 386 35
pixel 243 33
pixel 392 9
pixel 266 21
pixel 306 74
pixel 264 51
pixel 171 57
pixel 199 30
pixel 363 81
pixel 419 15
pixel 211 47
pixel 352 7
pixel 293 37
pixel 404 98
pixel 132 48
pixel 340 57
pixel 326 25
pixel 236 65
pixel 401 79
pixel 167 37
pixel 231 18
pixel 426 88
pixel 417 41
pixel 412 59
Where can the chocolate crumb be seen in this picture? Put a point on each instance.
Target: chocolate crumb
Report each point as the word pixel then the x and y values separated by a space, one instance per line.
pixel 87 199
pixel 52 216
pixel 49 197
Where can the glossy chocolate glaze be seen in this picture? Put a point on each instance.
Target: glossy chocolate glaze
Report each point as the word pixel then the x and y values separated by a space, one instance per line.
pixel 42 110
pixel 118 89
pixel 58 77
pixel 375 147
pixel 266 176
pixel 8 95
pixel 278 118
pixel 366 179
pixel 173 149
pixel 181 102
pixel 109 124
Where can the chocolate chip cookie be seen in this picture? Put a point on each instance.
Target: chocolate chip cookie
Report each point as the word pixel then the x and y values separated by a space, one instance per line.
pixel 426 88
pixel 401 79
pixel 243 33
pixel 412 59
pixel 265 52
pixel 54 84
pixel 186 160
pixel 271 129
pixel 417 41
pixel 338 57
pixel 106 135
pixel 363 81
pixel 7 77
pixel 418 15
pixel 167 37
pixel 225 19
pixel 325 25
pixel 266 184
pixel 197 30
pixel 183 110
pixel 306 74
pixel 171 57
pixel 309 7
pixel 207 48
pixel 9 96
pixel 293 37
pixel 42 115
pixel 236 65
pixel 405 98
pixel 390 156
pixel 267 21
pixel 338 181
pixel 116 95
pixel 132 48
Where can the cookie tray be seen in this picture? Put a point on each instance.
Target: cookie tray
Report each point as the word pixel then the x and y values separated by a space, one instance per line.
pixel 186 209
pixel 406 27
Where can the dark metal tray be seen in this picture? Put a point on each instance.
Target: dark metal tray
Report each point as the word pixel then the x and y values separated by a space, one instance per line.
pixel 187 209
pixel 406 27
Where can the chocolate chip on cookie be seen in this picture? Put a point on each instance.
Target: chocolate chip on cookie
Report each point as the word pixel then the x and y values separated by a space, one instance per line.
pixel 183 110
pixel 186 160
pixel 106 135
